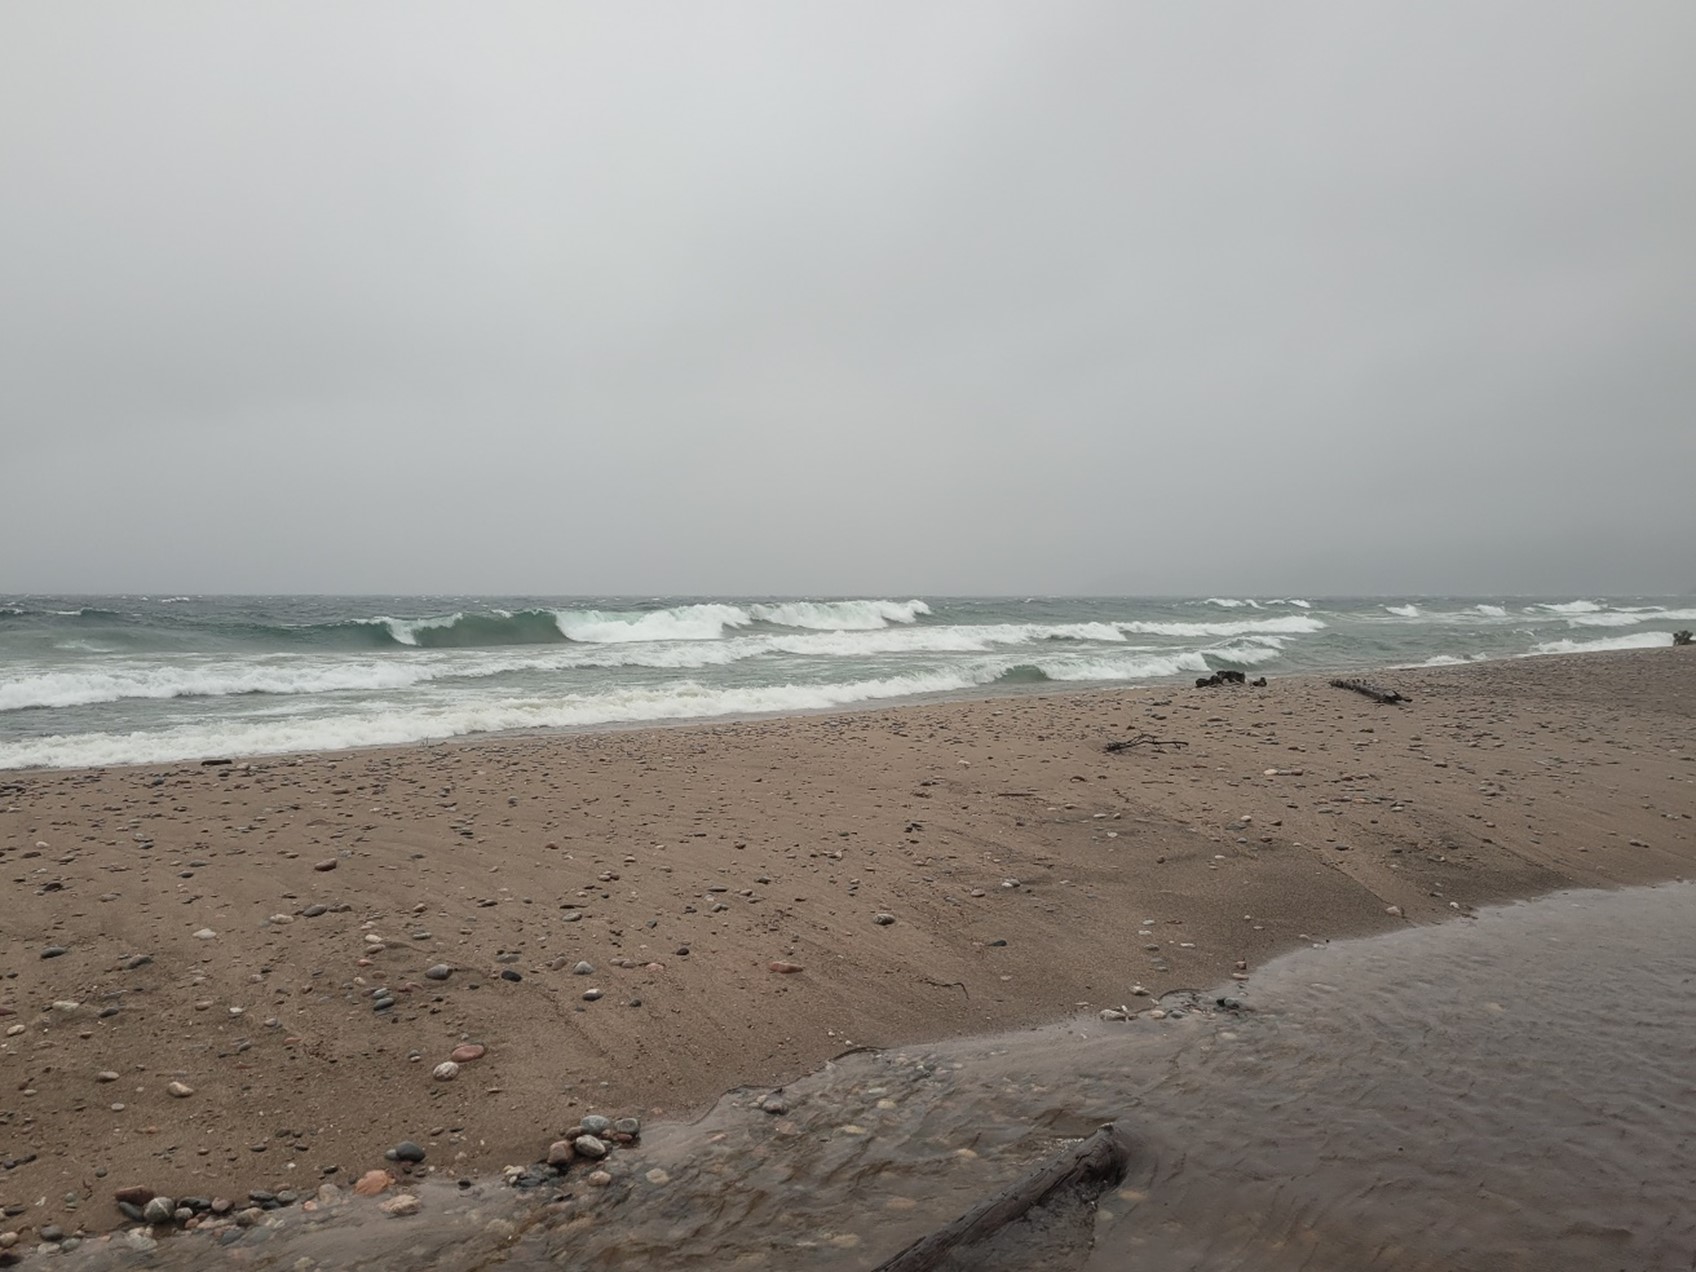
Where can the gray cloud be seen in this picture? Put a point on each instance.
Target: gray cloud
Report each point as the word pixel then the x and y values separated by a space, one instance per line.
pixel 858 298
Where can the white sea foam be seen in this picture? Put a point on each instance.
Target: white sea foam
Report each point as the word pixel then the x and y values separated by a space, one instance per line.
pixel 1569 607
pixel 388 726
pixel 1146 666
pixel 712 621
pixel 838 615
pixel 1636 640
pixel 1231 602
pixel 1403 611
pixel 1299 604
pixel 958 638
pixel 1491 611
pixel 1292 624
pixel 113 683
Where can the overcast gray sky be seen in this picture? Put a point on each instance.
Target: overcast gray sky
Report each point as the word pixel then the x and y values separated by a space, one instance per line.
pixel 866 297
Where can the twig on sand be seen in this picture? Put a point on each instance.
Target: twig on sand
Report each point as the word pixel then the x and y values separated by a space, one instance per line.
pixel 1371 691
pixel 1125 744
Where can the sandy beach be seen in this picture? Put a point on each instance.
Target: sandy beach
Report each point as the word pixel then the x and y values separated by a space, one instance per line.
pixel 911 873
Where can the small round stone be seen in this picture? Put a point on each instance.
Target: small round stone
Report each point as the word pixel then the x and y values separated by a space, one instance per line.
pixel 441 971
pixel 406 1151
pixel 446 1071
pixel 589 1146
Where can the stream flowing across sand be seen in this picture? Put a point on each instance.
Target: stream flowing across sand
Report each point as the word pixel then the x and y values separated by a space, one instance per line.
pixel 1513 1091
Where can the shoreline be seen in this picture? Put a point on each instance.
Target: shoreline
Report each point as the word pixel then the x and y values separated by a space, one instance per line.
pixel 991 691
pixel 745 842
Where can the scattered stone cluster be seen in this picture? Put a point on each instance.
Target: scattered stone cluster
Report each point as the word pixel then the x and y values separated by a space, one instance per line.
pixel 589 1141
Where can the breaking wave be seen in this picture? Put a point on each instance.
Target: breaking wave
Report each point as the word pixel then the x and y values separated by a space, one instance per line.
pixel 1293 624
pixel 1630 617
pixel 1403 611
pixel 1636 640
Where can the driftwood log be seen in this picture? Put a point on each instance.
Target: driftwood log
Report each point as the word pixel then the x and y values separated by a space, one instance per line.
pixel 1095 1164
pixel 1371 691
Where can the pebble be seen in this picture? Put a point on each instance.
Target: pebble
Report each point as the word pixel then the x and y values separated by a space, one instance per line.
pixel 159 1210
pixel 595 1124
pixel 406 1151
pixel 134 1195
pixel 446 1071
pixel 404 1204
pixel 600 1178
pixel 106 1075
pixel 628 1126
pixel 205 934
pixel 314 911
pixel 54 951
pixel 441 971
pixel 373 1182
pixel 467 1051
pixel 784 968
pixel 507 974
pixel 181 1090
pixel 589 1146
pixel 583 969
pixel 774 1104
pixel 329 863
pixel 560 1153
pixel 591 995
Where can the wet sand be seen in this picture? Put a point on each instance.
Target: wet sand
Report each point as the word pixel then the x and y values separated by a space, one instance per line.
pixel 744 844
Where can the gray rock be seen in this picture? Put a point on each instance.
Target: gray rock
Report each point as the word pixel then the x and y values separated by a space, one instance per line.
pixel 159 1210
pixel 441 971
pixel 583 969
pixel 54 951
pixel 628 1126
pixel 589 1146
pixel 406 1151
pixel 595 1124
pixel 883 920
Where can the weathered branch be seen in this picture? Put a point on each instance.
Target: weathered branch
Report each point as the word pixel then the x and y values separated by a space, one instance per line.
pixel 1095 1164
pixel 1125 744
pixel 1371 691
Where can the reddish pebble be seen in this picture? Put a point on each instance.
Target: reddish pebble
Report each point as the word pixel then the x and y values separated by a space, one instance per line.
pixel 135 1195
pixel 783 967
pixel 468 1051
pixel 329 863
pixel 373 1182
